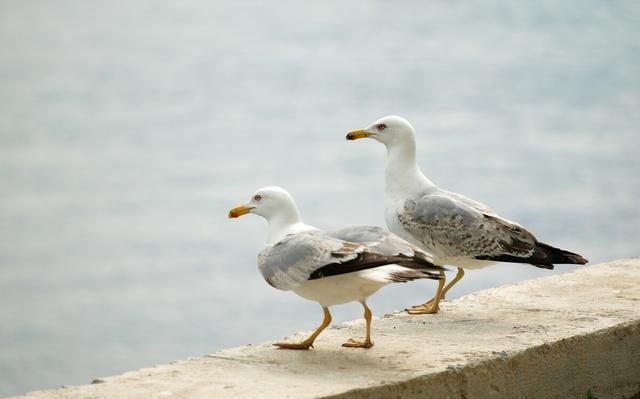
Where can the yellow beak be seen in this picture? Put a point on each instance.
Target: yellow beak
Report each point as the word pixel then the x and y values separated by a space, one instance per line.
pixel 358 134
pixel 239 211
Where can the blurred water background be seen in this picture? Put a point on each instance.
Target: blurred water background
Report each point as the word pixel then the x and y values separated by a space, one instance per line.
pixel 129 129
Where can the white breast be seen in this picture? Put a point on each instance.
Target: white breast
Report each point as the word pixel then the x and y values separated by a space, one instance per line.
pixel 336 290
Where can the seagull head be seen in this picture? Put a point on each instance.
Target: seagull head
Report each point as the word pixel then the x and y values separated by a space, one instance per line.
pixel 268 202
pixel 390 131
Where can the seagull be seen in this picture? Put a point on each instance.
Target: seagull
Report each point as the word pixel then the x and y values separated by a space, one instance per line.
pixel 330 267
pixel 454 229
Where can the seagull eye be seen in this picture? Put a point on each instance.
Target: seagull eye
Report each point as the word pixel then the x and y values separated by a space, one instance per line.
pixel 381 126
pixel 257 197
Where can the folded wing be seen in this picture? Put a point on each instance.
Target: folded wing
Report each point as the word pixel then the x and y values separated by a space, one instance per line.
pixel 314 255
pixel 451 225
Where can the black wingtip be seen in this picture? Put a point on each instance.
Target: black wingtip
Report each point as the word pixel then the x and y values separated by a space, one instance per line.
pixel 557 255
pixel 544 256
pixel 413 274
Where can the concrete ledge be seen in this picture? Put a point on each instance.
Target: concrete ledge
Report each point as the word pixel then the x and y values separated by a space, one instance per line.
pixel 566 336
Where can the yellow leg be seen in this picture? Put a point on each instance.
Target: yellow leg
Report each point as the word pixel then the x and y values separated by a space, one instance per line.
pixel 351 343
pixel 453 282
pixel 308 343
pixel 433 305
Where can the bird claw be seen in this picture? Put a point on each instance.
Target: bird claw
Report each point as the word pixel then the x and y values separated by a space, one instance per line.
pixel 298 346
pixel 416 310
pixel 351 343
pixel 426 304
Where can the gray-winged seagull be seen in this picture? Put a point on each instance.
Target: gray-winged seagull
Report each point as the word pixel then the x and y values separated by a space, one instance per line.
pixel 330 267
pixel 454 229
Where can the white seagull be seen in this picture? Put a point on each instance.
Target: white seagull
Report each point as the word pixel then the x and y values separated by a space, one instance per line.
pixel 454 229
pixel 330 268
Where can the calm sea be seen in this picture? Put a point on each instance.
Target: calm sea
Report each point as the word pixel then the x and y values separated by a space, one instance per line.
pixel 128 129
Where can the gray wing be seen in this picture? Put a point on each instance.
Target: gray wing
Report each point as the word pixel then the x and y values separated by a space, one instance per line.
pixel 450 225
pixel 291 261
pixel 380 240
pixel 313 255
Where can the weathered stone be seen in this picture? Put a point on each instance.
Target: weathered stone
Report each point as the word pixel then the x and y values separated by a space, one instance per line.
pixel 564 336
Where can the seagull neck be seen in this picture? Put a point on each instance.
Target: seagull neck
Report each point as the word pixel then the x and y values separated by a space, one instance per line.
pixel 285 222
pixel 402 173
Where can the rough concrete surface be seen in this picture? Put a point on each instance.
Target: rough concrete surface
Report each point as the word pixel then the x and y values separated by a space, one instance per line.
pixel 564 336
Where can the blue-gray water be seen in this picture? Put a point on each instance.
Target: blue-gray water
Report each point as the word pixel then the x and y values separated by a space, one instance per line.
pixel 128 129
